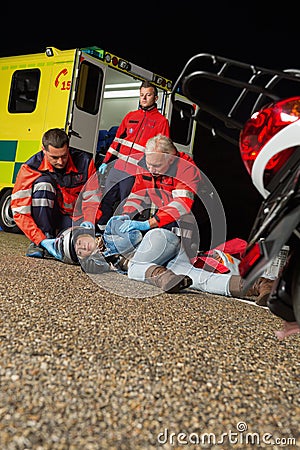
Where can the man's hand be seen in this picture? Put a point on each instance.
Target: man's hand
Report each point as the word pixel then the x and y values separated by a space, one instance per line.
pixel 102 168
pixel 87 224
pixel 48 244
pixel 130 225
pixel 116 218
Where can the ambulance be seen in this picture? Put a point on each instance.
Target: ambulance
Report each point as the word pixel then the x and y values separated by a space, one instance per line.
pixel 86 92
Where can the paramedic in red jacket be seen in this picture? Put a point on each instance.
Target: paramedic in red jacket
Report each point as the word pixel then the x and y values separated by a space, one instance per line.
pixel 44 198
pixel 164 191
pixel 128 147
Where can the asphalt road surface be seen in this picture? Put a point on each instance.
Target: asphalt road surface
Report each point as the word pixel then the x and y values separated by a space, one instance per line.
pixel 89 363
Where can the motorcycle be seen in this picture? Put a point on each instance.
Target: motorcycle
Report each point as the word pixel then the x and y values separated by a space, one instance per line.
pixel 258 110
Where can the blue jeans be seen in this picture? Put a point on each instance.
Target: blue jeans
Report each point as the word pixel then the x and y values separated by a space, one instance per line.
pixel 162 247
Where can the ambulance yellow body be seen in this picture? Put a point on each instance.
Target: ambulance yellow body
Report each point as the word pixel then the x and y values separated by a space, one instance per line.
pixel 85 91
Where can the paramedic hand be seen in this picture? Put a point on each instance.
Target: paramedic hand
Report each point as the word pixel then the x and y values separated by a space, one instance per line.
pixel 48 244
pixel 87 224
pixel 130 225
pixel 102 168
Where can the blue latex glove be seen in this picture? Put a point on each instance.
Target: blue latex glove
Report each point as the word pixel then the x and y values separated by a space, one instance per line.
pixel 130 225
pixel 116 218
pixel 48 244
pixel 87 224
pixel 102 168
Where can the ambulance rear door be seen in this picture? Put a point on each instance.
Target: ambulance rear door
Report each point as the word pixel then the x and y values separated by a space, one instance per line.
pixel 84 117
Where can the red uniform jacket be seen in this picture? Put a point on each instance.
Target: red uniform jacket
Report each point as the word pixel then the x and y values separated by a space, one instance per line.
pixel 78 175
pixel 168 197
pixel 132 135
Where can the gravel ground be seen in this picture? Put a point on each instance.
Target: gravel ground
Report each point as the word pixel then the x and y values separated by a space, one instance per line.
pixel 89 364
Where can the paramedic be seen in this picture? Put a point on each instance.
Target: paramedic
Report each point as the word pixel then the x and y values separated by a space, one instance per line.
pixel 128 146
pixel 164 191
pixel 47 188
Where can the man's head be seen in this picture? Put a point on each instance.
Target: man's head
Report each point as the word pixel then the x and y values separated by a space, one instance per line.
pixel 56 147
pixel 84 244
pixel 76 243
pixel 148 95
pixel 159 153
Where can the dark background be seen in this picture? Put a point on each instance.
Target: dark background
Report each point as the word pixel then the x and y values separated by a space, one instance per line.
pixel 162 37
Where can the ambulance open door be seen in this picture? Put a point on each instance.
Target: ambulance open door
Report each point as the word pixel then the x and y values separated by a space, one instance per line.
pixel 87 104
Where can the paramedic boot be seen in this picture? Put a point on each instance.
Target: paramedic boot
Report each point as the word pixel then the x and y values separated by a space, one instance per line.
pixel 260 290
pixel 46 253
pixel 35 251
pixel 167 280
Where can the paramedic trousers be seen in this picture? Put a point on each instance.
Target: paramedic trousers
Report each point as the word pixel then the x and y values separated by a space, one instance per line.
pixel 162 247
pixel 118 185
pixel 45 210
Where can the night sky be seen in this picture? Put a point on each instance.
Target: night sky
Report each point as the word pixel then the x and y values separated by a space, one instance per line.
pixel 162 37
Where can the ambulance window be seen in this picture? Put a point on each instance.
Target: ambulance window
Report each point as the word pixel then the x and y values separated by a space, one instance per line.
pixel 89 88
pixel 181 123
pixel 24 91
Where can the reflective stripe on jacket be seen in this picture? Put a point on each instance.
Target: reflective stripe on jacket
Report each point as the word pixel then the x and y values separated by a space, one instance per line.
pixel 79 173
pixel 168 197
pixel 132 135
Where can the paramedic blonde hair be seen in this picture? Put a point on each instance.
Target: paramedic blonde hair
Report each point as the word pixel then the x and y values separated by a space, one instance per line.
pixel 162 144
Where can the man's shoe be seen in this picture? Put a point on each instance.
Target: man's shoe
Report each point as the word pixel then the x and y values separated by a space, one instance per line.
pixel 259 291
pixel 167 280
pixel 35 251
pixel 262 290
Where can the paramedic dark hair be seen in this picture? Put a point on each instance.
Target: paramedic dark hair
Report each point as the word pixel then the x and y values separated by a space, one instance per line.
pixel 56 137
pixel 147 84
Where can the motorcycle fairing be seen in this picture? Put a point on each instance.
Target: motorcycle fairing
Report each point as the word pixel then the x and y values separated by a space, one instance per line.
pixel 284 195
pixel 228 93
pixel 268 247
pixel 281 301
pixel 276 220
pixel 285 139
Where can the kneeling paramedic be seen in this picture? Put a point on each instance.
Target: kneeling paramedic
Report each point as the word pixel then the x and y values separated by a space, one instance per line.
pixel 48 185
